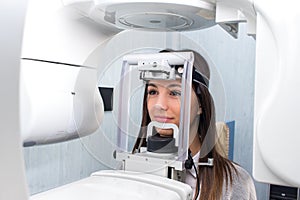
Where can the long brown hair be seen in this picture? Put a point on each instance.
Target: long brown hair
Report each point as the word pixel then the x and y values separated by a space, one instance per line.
pixel 213 178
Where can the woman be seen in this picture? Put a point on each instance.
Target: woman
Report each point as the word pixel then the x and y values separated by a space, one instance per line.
pixel 223 180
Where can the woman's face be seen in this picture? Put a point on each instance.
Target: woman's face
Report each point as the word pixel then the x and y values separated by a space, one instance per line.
pixel 163 104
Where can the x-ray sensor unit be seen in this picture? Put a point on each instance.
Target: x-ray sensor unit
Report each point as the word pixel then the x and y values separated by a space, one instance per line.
pixel 60 39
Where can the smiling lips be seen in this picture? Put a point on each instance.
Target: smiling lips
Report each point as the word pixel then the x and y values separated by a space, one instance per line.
pixel 163 119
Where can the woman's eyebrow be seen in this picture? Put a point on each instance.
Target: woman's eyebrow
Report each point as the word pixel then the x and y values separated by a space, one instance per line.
pixel 174 85
pixel 152 84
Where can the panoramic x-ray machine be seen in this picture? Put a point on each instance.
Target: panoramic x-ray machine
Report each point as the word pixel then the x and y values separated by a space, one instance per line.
pixel 64 49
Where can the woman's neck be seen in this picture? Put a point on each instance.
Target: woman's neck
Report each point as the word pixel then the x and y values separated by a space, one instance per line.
pixel 194 142
pixel 195 146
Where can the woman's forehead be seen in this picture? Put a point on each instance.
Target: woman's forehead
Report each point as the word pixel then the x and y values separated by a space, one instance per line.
pixel 165 83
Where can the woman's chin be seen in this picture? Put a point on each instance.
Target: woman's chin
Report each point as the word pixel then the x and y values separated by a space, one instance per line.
pixel 165 132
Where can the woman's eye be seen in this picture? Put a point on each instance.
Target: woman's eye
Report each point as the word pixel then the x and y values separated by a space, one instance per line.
pixel 175 93
pixel 152 92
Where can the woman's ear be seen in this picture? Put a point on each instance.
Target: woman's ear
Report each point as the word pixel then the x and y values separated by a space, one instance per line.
pixel 199 110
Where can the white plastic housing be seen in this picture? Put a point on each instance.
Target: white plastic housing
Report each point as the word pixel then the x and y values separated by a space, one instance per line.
pixel 58 102
pixel 59 94
pixel 12 167
pixel 277 97
pixel 115 185
pixel 169 15
pixel 58 33
pixel 234 11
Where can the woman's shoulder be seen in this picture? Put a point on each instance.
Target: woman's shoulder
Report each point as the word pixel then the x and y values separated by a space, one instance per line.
pixel 242 185
pixel 241 172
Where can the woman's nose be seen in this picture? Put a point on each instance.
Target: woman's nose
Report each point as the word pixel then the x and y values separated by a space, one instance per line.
pixel 162 102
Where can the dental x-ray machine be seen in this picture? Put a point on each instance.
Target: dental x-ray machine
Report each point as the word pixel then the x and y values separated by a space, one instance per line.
pixel 65 41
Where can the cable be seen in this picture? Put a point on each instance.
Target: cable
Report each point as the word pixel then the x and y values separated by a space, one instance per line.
pixel 198 185
pixel 189 163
